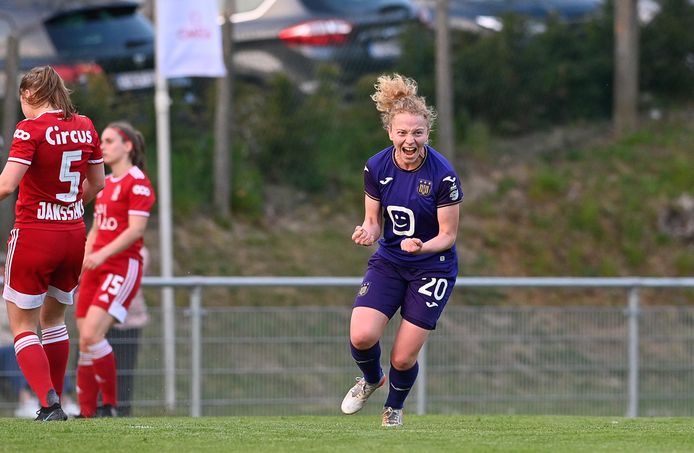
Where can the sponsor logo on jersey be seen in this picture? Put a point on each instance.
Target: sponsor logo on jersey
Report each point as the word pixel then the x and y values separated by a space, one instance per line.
pixel 424 187
pixel 54 211
pixel 454 192
pixel 107 223
pixel 386 180
pixel 22 135
pixel 402 219
pixel 103 221
pixel 141 190
pixel 364 289
pixel 55 136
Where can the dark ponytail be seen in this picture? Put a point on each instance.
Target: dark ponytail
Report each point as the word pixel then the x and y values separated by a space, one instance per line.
pixel 132 135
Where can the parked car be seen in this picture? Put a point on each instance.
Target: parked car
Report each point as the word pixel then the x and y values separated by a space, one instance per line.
pixel 295 36
pixel 79 38
pixel 292 37
pixel 487 15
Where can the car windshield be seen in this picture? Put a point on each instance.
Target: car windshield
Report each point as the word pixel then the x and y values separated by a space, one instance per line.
pixel 110 30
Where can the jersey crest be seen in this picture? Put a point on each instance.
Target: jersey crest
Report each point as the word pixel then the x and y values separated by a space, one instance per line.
pixel 424 187
pixel 116 192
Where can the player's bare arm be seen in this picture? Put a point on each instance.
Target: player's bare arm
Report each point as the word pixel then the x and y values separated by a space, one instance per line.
pixel 91 237
pixel 370 230
pixel 134 231
pixel 448 217
pixel 10 177
pixel 94 181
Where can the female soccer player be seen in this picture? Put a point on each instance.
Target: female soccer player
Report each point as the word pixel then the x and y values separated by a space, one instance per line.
pixel 413 195
pixel 112 265
pixel 55 159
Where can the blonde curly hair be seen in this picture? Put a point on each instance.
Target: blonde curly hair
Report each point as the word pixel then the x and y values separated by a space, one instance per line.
pixel 398 94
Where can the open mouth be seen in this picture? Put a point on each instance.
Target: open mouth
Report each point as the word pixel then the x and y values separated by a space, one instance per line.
pixel 409 151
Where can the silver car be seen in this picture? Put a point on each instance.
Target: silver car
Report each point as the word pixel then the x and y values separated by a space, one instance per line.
pixel 294 37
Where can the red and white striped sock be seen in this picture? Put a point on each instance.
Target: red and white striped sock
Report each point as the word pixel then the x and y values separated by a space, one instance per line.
pixel 56 344
pixel 105 370
pixel 87 387
pixel 34 364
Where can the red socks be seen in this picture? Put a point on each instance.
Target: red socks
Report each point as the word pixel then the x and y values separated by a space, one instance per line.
pixel 104 369
pixel 56 345
pixel 87 387
pixel 34 364
pixel 96 371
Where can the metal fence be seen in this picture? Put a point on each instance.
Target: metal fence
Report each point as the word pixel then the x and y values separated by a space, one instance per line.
pixel 572 359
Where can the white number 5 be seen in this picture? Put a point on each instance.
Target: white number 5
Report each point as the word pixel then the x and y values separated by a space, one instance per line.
pixel 73 177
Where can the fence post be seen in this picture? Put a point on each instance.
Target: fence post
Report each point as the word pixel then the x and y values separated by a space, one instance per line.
pixel 196 351
pixel 168 325
pixel 633 313
pixel 422 381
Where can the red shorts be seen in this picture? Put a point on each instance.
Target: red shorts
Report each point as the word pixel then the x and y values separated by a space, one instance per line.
pixel 43 262
pixel 110 286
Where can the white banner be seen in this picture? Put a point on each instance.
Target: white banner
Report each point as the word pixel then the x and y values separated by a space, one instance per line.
pixel 189 38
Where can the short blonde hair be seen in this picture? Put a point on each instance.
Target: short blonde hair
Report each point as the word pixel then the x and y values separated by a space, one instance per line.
pixel 398 94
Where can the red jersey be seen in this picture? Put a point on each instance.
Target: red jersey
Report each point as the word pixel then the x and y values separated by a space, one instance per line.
pixel 130 194
pixel 57 152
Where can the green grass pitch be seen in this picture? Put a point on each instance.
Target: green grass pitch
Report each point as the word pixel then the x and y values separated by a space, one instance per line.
pixel 430 433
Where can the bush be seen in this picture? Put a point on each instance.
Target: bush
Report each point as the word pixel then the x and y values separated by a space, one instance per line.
pixel 517 81
pixel 667 53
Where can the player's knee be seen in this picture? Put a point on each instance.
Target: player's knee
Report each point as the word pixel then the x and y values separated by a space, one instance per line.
pixel 51 316
pixel 402 362
pixel 363 340
pixel 89 337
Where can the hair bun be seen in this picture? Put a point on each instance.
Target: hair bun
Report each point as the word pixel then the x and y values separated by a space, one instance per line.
pixel 397 93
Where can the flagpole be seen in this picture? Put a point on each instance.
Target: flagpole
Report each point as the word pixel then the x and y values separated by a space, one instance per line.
pixel 188 44
pixel 162 101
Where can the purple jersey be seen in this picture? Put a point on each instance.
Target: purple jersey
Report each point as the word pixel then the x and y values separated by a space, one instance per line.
pixel 409 200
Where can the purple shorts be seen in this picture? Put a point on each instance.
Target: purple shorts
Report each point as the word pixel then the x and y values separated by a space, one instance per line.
pixel 419 293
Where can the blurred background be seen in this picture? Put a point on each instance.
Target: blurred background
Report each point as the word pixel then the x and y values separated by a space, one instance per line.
pixel 570 122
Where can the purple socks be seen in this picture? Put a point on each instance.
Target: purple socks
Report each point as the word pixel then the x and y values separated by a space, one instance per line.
pixel 369 362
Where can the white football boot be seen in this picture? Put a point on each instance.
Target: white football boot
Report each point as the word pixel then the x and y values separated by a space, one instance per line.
pixel 391 417
pixel 357 395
